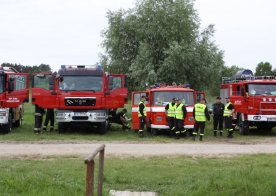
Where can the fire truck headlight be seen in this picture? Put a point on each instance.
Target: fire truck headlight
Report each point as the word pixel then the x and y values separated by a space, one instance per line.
pixel 190 118
pixel 3 113
pixel 159 118
pixel 59 114
pixel 264 99
pixel 270 99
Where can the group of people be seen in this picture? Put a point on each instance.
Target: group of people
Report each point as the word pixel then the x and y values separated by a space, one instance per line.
pixel 176 113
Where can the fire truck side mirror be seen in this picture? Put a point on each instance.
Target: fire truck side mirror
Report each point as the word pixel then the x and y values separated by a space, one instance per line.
pixel 11 85
pixel 110 83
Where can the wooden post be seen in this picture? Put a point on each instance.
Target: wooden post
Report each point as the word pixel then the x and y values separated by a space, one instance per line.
pixel 100 178
pixel 90 178
pixel 90 167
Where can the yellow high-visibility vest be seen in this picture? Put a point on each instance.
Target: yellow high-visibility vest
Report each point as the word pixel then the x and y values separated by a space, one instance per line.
pixel 144 111
pixel 200 112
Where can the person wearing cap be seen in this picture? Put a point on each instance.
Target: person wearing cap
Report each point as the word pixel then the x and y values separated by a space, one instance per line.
pixel 201 114
pixel 227 114
pixel 170 113
pixel 142 113
pixel 180 114
pixel 218 109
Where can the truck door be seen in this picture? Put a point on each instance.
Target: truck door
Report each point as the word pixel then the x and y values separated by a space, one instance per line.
pixel 43 91
pixel 17 85
pixel 119 92
pixel 136 96
pixel 199 95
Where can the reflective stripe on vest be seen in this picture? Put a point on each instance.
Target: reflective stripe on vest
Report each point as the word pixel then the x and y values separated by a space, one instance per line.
pixel 179 111
pixel 200 112
pixel 227 112
pixel 171 110
pixel 144 110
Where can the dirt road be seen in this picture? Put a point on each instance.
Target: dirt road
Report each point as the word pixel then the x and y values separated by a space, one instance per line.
pixel 34 149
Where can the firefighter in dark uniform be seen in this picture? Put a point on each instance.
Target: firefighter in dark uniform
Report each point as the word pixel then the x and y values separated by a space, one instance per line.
pixel 180 114
pixel 201 114
pixel 218 109
pixel 142 113
pixel 50 116
pixel 170 113
pixel 228 114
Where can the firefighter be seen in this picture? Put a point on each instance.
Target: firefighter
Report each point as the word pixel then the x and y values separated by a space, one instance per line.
pixel 50 116
pixel 170 113
pixel 218 109
pixel 38 119
pixel 122 119
pixel 180 114
pixel 142 113
pixel 227 114
pixel 201 114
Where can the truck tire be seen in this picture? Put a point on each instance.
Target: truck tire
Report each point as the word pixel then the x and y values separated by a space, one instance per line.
pixel 154 131
pixel 243 126
pixel 62 127
pixel 7 127
pixel 18 123
pixel 103 128
pixel 266 129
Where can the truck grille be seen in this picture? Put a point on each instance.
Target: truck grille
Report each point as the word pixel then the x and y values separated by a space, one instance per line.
pixel 80 101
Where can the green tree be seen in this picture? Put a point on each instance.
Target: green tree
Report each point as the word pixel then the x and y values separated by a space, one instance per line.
pixel 161 41
pixel 264 68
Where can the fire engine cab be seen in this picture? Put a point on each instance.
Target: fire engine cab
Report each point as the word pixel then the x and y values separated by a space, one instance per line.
pixel 254 99
pixel 81 94
pixel 157 99
pixel 13 93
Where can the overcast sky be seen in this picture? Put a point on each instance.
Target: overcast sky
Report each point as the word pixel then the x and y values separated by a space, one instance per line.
pixel 57 32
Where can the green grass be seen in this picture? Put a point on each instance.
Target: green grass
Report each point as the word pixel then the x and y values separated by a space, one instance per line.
pixel 242 175
pixel 25 133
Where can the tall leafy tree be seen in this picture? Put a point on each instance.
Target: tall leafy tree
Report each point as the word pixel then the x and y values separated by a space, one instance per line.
pixel 161 41
pixel 264 68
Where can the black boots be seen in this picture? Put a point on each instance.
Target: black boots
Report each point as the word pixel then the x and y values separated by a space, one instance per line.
pixel 215 133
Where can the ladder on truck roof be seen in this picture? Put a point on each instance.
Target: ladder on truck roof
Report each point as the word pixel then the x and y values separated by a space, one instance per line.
pixel 230 80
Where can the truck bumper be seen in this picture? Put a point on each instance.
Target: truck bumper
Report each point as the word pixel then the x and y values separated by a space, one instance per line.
pixel 81 116
pixel 4 115
pixel 262 118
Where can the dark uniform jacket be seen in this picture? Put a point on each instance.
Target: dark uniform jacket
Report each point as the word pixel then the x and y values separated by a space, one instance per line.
pixel 141 109
pixel 218 109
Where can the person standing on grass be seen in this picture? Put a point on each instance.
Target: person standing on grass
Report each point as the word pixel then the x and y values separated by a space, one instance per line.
pixel 201 114
pixel 170 113
pixel 180 114
pixel 228 115
pixel 50 116
pixel 218 109
pixel 142 113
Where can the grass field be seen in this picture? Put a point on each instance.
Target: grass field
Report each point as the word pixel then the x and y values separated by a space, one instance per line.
pixel 247 175
pixel 25 133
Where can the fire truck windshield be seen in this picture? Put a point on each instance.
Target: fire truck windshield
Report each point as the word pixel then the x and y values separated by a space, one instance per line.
pixel 163 98
pixel 81 83
pixel 262 89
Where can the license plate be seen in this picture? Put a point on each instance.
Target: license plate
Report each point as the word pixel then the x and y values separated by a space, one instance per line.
pixel 80 113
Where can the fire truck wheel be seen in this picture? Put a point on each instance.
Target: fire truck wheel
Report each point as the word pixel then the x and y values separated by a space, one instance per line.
pixel 61 127
pixel 264 129
pixel 103 128
pixel 7 127
pixel 154 131
pixel 18 123
pixel 243 127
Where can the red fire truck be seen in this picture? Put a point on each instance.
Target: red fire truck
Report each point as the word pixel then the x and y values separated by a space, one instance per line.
pixel 81 94
pixel 14 92
pixel 254 99
pixel 158 98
